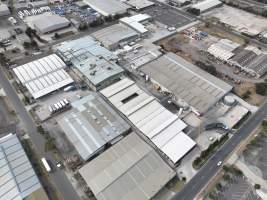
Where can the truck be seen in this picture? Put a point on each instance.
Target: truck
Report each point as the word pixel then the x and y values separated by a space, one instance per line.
pixel 46 165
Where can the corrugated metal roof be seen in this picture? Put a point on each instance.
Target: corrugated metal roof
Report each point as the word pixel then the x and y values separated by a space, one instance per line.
pixel 206 4
pixel 43 76
pixel 91 125
pixel 18 179
pixel 94 61
pixel 148 115
pixel 129 170
pixel 186 81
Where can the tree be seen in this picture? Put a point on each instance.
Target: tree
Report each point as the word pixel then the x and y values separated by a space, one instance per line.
pixel 261 88
pixel 257 186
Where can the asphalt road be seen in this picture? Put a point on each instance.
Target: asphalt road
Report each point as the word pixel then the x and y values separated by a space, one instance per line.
pixel 193 187
pixel 58 176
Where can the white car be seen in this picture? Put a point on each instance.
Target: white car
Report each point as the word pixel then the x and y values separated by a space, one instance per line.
pixel 219 163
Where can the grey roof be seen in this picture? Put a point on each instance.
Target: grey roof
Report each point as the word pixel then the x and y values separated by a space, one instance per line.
pixel 94 61
pixel 129 170
pixel 114 34
pixel 91 124
pixel 107 7
pixel 4 10
pixel 48 23
pixel 18 179
pixel 188 82
pixel 259 64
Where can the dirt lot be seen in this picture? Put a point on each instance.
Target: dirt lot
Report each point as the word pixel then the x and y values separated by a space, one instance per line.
pixel 253 98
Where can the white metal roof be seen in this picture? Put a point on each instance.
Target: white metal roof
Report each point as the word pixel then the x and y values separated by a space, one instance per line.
pixel 134 22
pixel 18 179
pixel 43 76
pixel 206 4
pixel 149 116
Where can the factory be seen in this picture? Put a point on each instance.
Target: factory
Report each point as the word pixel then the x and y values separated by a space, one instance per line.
pixel 43 76
pixel 116 36
pixel 190 85
pixel 139 4
pixel 130 170
pixel 4 10
pixel 108 7
pixel 92 125
pixel 94 63
pixel 137 22
pixel 206 5
pixel 49 23
pixel 223 49
pixel 18 179
pixel 252 60
pixel 157 124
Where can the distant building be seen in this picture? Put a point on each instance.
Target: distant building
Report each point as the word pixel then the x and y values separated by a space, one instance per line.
pixel 108 7
pixel 206 5
pixel 251 60
pixel 139 4
pixel 161 127
pixel 115 36
pixel 49 23
pixel 92 125
pixel 4 10
pixel 18 179
pixel 94 63
pixel 179 3
pixel 137 22
pixel 129 170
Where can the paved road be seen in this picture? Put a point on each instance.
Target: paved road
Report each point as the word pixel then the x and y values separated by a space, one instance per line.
pixel 193 187
pixel 61 181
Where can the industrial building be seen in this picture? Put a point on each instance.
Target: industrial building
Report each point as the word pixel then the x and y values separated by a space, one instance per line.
pixel 94 63
pixel 223 49
pixel 190 85
pixel 18 179
pixel 160 126
pixel 137 22
pixel 108 7
pixel 43 76
pixel 49 23
pixel 115 36
pixel 130 170
pixel 179 3
pixel 92 125
pixel 139 4
pixel 206 5
pixel 4 10
pixel 251 60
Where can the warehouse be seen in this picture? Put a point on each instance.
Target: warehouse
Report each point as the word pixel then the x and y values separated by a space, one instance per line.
pixel 139 4
pixel 187 82
pixel 137 22
pixel 223 49
pixel 91 125
pixel 115 36
pixel 18 179
pixel 206 5
pixel 4 10
pixel 49 23
pixel 108 7
pixel 251 60
pixel 158 124
pixel 130 170
pixel 94 63
pixel 43 76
